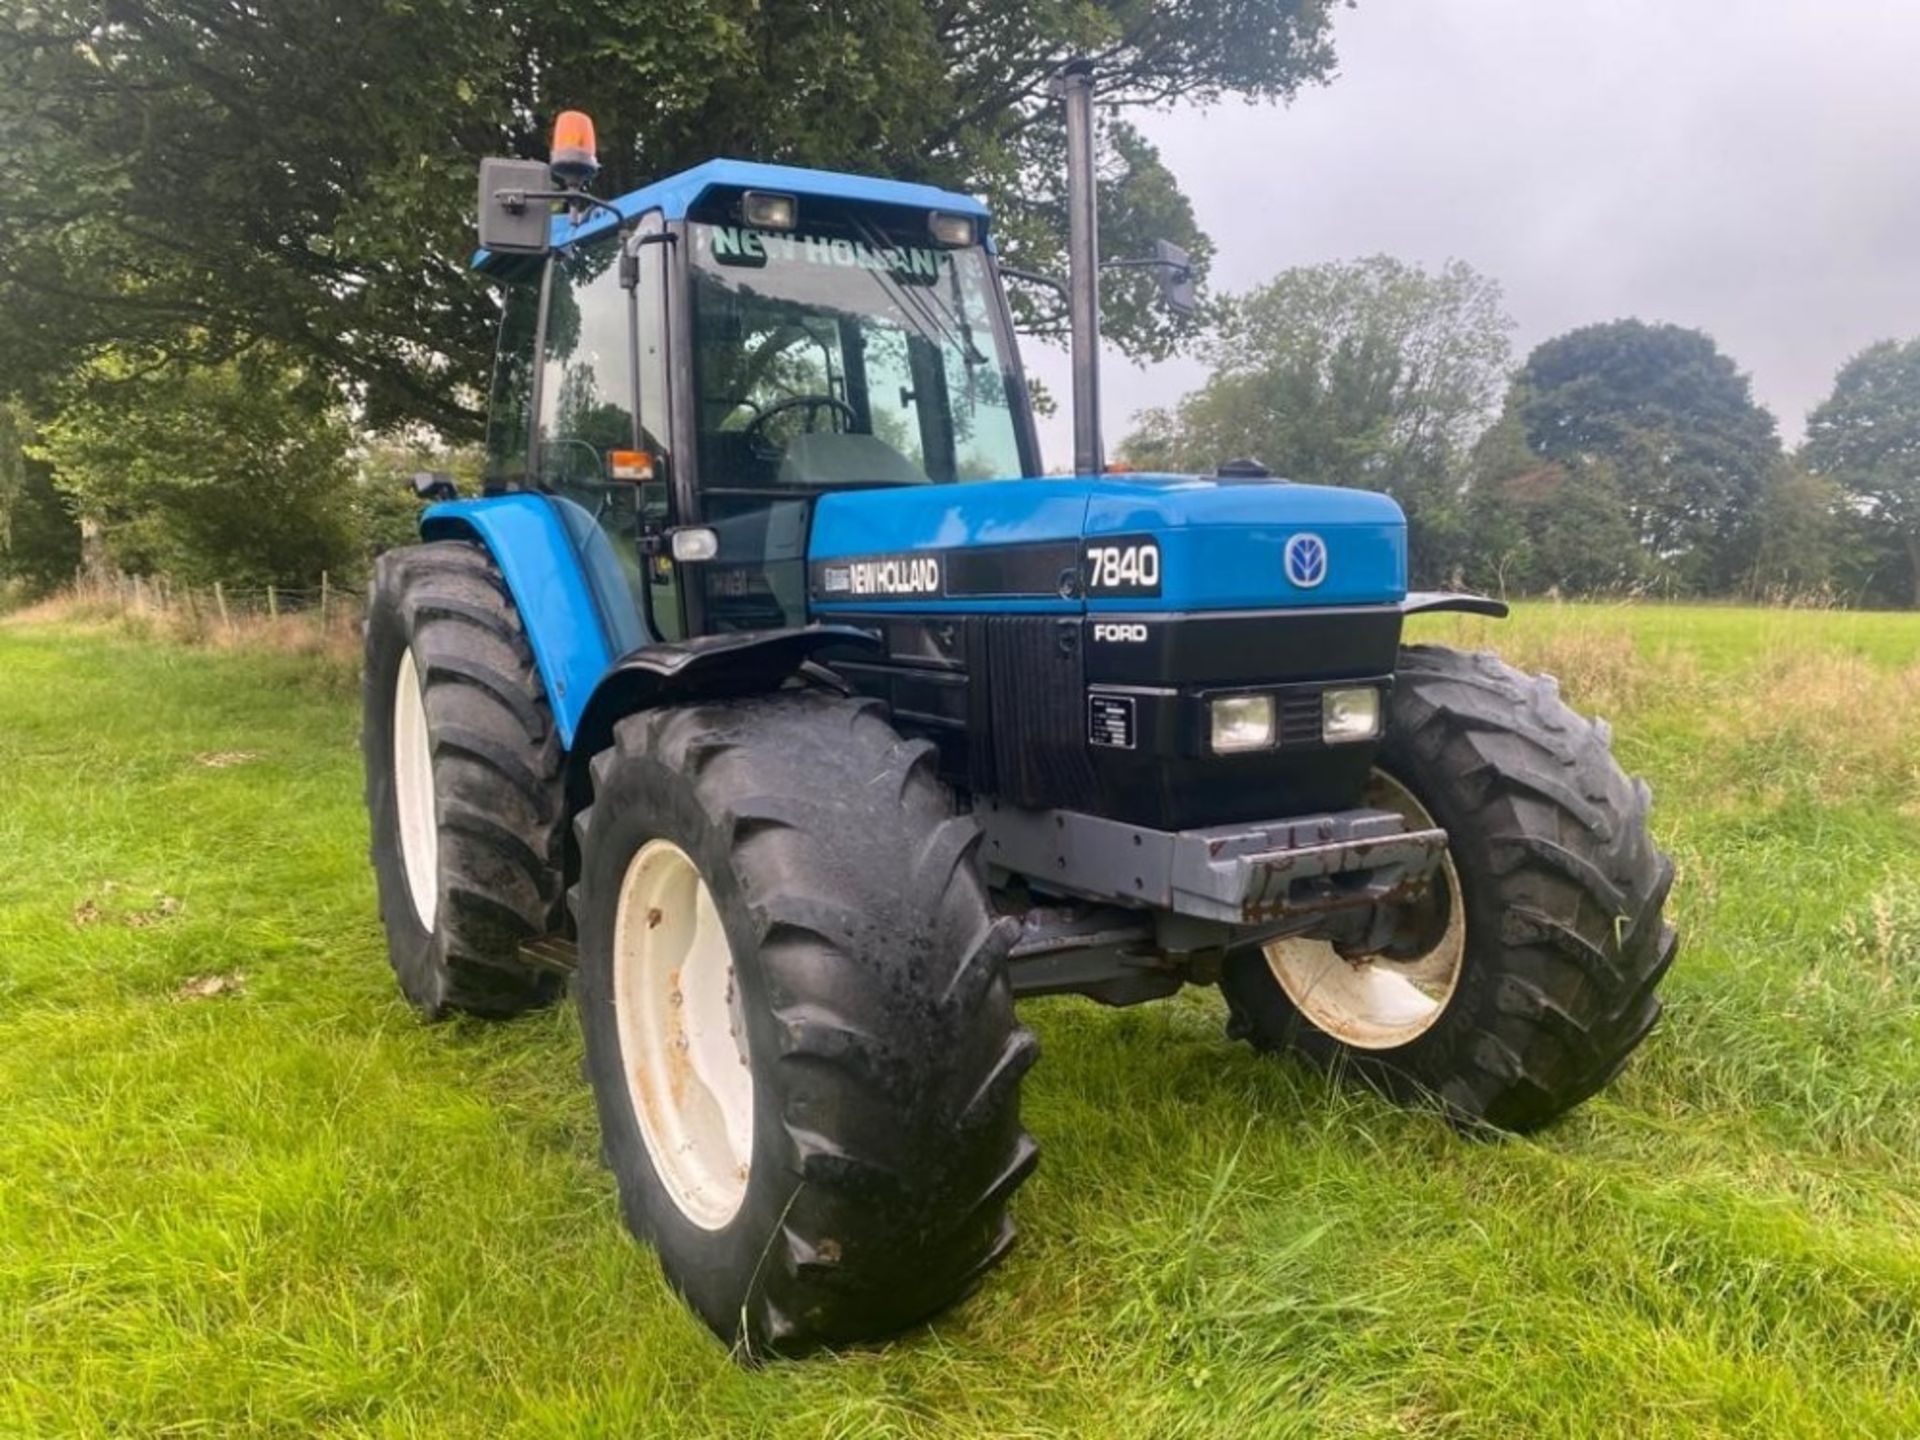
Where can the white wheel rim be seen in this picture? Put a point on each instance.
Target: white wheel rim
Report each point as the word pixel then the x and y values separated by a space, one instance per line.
pixel 683 1034
pixel 413 792
pixel 1377 1003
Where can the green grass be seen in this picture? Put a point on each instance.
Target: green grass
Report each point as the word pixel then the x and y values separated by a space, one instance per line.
pixel 293 1209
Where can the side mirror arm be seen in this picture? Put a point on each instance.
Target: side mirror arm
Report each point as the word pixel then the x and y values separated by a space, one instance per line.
pixel 1034 277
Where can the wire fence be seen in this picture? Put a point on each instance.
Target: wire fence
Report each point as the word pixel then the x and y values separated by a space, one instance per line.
pixel 220 608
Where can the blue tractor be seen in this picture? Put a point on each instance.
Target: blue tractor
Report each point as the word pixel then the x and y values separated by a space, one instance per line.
pixel 773 694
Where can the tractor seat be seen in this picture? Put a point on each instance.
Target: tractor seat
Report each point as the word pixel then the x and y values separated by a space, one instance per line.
pixel 825 458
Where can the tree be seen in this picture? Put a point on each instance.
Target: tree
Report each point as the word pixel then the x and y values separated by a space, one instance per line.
pixel 1866 437
pixel 1798 534
pixel 185 178
pixel 238 472
pixel 39 538
pixel 1689 449
pixel 1372 373
pixel 1531 525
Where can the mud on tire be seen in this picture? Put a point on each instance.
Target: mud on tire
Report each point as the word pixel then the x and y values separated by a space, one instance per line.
pixel 1563 891
pixel 442 610
pixel 885 1061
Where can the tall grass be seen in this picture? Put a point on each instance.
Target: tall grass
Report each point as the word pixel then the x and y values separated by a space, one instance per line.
pixel 279 1205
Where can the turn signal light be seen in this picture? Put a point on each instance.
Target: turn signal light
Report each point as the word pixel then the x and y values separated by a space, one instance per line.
pixel 635 465
pixel 574 159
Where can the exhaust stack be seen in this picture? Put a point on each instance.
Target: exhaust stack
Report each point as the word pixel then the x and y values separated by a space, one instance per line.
pixel 1075 86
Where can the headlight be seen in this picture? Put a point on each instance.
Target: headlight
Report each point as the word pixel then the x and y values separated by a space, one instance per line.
pixel 1349 715
pixel 1242 722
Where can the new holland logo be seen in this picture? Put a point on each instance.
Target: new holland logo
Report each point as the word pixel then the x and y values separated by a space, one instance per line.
pixel 1305 559
pixel 891 575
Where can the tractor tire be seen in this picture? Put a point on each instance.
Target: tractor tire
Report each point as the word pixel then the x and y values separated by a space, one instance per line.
pixel 798 1024
pixel 1549 906
pixel 464 791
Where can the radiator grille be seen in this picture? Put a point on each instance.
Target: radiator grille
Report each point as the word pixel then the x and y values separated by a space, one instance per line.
pixel 1037 686
pixel 1300 719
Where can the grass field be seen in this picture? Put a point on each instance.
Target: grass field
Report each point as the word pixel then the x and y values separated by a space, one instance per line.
pixel 242 1190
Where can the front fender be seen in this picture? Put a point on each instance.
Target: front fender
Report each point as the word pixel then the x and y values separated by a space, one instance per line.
pixel 537 558
pixel 746 662
pixel 1425 602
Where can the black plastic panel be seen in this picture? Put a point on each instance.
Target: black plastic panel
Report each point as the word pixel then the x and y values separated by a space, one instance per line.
pixel 1007 698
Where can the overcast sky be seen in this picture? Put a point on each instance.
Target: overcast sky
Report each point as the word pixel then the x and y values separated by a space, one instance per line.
pixel 1749 167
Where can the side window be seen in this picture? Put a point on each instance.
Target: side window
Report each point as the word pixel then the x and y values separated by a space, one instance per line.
pixel 586 384
pixel 511 396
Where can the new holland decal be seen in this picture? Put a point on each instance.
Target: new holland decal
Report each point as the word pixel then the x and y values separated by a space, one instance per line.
pixel 903 575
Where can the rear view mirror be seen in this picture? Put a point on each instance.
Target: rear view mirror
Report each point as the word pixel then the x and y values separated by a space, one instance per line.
pixel 1173 270
pixel 510 222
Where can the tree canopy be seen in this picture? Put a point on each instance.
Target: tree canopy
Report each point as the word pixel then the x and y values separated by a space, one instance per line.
pixel 1689 449
pixel 186 178
pixel 1866 437
pixel 1372 373
pixel 236 472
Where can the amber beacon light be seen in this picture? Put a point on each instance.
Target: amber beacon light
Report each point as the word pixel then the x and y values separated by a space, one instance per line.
pixel 574 158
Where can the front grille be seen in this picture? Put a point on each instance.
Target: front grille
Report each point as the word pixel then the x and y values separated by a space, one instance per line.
pixel 1037 694
pixel 1300 720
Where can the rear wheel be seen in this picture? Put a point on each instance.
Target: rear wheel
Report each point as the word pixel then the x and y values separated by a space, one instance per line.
pixel 797 1019
pixel 1525 979
pixel 463 783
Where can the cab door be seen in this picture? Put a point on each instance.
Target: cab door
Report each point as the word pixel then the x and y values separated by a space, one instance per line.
pixel 601 391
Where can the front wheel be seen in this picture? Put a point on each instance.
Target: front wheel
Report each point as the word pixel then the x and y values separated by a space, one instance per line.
pixel 1525 977
pixel 797 1018
pixel 463 783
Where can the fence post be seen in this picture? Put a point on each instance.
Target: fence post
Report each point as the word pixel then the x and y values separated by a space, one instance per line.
pixel 220 599
pixel 323 602
pixel 273 602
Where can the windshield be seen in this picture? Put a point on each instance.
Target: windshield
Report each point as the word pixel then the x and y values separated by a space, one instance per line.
pixel 849 358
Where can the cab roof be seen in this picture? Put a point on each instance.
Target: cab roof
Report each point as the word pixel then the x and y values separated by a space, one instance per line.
pixel 677 194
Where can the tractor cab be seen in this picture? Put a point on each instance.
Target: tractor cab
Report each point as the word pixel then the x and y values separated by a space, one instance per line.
pixel 692 366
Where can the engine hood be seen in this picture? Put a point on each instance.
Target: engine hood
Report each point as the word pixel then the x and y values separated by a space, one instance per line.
pixel 1081 543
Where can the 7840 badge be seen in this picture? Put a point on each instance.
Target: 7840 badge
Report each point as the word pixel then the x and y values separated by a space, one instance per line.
pixel 1124 565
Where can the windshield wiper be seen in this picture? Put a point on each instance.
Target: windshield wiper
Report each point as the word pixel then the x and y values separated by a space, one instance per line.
pixel 953 328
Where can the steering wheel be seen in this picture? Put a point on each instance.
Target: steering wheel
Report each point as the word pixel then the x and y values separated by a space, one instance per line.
pixel 755 430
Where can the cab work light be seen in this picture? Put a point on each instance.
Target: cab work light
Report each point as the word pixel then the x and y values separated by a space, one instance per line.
pixel 953 231
pixel 764 210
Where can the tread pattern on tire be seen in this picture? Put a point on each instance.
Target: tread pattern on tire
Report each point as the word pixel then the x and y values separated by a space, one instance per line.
pixel 1572 879
pixel 898 1083
pixel 497 770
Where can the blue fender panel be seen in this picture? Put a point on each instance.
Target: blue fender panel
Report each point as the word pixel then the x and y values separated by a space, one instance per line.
pixel 529 542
